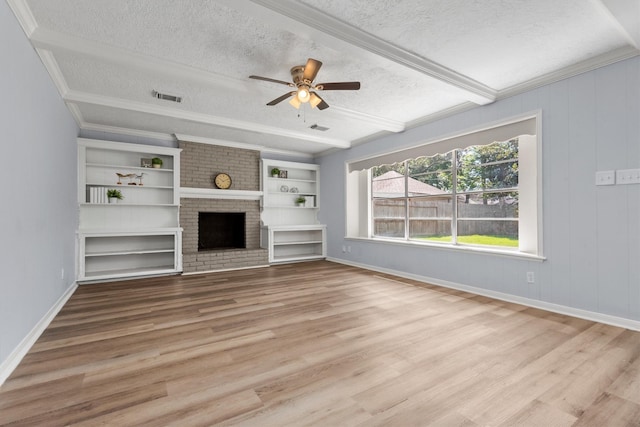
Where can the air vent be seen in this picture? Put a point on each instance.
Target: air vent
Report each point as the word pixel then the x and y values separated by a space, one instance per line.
pixel 166 97
pixel 318 127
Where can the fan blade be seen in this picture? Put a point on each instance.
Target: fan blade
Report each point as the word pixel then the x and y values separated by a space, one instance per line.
pixel 319 102
pixel 267 79
pixel 282 98
pixel 338 86
pixel 311 69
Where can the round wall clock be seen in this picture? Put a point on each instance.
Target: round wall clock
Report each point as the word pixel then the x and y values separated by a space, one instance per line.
pixel 222 181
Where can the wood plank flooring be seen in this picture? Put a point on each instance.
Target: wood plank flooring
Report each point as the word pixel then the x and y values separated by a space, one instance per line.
pixel 318 344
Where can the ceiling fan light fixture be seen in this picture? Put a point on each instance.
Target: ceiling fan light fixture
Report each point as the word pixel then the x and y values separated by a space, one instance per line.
pixel 314 100
pixel 294 101
pixel 303 94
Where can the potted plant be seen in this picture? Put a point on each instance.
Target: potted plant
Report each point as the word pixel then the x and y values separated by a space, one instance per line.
pixel 114 195
pixel 156 162
pixel 300 201
pixel 275 172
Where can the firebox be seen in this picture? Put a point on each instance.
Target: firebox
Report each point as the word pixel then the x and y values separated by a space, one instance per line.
pixel 221 230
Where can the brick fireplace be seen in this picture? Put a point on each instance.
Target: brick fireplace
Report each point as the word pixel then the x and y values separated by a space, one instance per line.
pixel 200 163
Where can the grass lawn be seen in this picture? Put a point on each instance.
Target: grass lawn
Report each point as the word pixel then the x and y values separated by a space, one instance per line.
pixel 477 239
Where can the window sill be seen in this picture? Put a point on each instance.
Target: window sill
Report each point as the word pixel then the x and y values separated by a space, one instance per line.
pixel 456 248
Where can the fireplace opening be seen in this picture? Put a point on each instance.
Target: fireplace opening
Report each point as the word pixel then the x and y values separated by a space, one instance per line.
pixel 221 230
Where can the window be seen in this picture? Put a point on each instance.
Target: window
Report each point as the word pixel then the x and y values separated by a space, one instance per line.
pixel 467 196
pixel 480 189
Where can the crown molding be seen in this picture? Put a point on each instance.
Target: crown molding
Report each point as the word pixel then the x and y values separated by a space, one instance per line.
pixel 23 14
pixel 45 40
pixel 627 21
pixel 242 145
pixel 378 122
pixel 318 22
pixel 582 67
pixel 165 137
pixel 52 40
pixel 158 110
pixel 54 71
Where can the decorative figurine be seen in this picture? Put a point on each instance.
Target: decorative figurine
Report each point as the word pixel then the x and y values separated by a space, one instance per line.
pixel 125 175
pixel 139 178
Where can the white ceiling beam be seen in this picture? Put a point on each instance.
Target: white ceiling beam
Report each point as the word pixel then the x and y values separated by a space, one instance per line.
pixel 318 23
pixel 625 14
pixel 140 107
pixel 45 40
pixel 58 42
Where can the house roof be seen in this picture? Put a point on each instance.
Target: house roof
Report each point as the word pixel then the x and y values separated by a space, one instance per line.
pixel 392 182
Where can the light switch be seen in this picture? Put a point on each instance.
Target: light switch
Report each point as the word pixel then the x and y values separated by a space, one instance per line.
pixel 628 176
pixel 605 178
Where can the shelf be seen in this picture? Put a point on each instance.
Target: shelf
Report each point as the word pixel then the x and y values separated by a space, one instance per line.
pixel 213 193
pixel 130 252
pixel 297 258
pixel 92 275
pixel 139 235
pixel 138 187
pixel 132 204
pixel 290 207
pixel 301 193
pixel 308 242
pixel 283 180
pixel 122 167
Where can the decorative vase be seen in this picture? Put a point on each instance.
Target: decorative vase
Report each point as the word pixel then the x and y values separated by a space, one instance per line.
pixel 113 200
pixel 157 165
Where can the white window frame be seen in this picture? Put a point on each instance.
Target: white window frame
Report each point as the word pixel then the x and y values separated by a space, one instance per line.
pixel 527 128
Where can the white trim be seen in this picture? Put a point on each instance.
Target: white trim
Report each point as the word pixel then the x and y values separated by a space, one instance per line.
pixel 24 16
pixel 242 145
pixel 176 113
pixel 44 39
pixel 536 114
pixel 52 40
pixel 54 71
pixel 191 273
pixel 543 305
pixel 212 193
pixel 11 362
pixel 376 121
pixel 126 146
pixel 123 131
pixel 450 247
pixel 590 64
pixel 322 24
pixel 621 15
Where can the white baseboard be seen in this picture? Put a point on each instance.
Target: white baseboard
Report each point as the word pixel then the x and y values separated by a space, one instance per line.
pixel 543 305
pixel 10 363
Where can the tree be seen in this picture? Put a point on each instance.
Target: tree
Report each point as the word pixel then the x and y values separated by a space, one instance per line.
pixel 489 167
pixel 433 170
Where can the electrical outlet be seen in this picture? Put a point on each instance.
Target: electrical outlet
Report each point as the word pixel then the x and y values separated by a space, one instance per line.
pixel 530 277
pixel 605 178
pixel 62 273
pixel 344 249
pixel 349 249
pixel 628 176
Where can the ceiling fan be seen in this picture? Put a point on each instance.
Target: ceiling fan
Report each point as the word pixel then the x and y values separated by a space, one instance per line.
pixel 303 77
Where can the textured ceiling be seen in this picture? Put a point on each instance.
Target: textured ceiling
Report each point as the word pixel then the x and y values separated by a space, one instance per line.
pixel 416 60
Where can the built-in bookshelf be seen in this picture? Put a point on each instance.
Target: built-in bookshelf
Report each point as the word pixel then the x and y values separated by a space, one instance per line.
pixel 291 231
pixel 140 234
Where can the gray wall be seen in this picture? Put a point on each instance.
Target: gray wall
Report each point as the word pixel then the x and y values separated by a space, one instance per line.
pixel 38 211
pixel 591 234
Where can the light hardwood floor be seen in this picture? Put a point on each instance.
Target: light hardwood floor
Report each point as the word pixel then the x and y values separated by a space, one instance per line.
pixel 318 344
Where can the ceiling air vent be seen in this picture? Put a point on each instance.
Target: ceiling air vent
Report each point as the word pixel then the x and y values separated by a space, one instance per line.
pixel 166 97
pixel 318 127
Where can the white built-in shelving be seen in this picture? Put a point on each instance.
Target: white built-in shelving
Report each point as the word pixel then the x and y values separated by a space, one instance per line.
pixel 291 231
pixel 140 235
